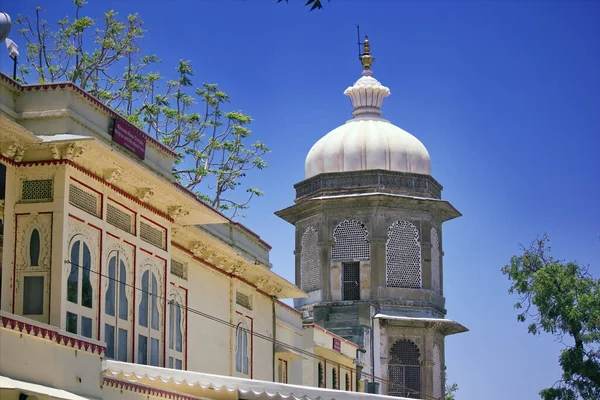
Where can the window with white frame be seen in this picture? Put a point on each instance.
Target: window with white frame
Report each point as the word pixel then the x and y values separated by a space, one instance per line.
pixel 80 291
pixel 177 326
pixel 117 324
pixel 149 318
pixel 241 352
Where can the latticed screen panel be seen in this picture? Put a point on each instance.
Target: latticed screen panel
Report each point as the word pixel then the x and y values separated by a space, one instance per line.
pixel 119 218
pixel 404 370
pixel 243 300
pixel 36 190
pixel 84 200
pixel 403 256
pixel 351 280
pixel 152 235
pixel 178 269
pixel 435 261
pixel 350 241
pixel 310 271
pixel 437 372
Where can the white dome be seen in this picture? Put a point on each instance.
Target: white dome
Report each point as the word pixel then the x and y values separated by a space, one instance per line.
pixel 367 141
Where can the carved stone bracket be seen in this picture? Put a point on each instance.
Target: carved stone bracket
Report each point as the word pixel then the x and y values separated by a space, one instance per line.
pixel 112 175
pixel 144 194
pixel 199 249
pixel 177 212
pixel 276 291
pixel 236 269
pixel 15 152
pixel 262 282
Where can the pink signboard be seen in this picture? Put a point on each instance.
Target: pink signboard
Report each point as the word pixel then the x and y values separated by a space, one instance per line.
pixel 130 137
pixel 337 345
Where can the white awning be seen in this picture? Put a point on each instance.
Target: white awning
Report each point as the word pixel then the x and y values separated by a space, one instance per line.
pixel 34 388
pixel 199 384
pixel 446 326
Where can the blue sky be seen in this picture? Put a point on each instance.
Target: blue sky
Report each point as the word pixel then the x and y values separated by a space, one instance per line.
pixel 504 95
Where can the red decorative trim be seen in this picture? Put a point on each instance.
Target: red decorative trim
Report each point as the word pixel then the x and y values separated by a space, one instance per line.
pixel 53 335
pixel 308 326
pixel 135 267
pixel 281 303
pixel 76 218
pixel 146 251
pixel 115 236
pixel 130 210
pixel 95 191
pixel 97 178
pixel 71 86
pixel 145 390
pixel 187 321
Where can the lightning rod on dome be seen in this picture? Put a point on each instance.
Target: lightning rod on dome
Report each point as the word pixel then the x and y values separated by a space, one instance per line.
pixel 365 57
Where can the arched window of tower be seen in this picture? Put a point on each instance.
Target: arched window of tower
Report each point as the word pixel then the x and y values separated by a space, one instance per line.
pixel 309 261
pixel 404 370
pixel 437 372
pixel 403 256
pixel 350 241
pixel 435 261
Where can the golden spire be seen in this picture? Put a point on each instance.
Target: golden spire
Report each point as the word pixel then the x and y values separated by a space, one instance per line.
pixel 366 59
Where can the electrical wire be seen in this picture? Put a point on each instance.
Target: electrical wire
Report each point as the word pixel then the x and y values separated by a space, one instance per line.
pixel 255 334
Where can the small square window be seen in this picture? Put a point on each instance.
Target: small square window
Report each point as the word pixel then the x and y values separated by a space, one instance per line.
pixel 33 295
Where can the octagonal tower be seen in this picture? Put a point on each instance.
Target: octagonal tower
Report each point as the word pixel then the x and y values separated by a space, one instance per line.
pixel 368 219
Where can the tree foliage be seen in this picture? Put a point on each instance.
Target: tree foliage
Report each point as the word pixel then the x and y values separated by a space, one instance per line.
pixel 563 299
pixel 314 4
pixel 105 56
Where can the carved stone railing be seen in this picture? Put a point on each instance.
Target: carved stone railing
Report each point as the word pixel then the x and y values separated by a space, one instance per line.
pixel 374 180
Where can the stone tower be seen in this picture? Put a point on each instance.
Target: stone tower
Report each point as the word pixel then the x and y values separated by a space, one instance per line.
pixel 368 220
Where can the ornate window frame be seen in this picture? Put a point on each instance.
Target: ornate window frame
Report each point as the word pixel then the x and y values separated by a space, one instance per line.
pixel 149 265
pixel 436 261
pixel 310 260
pixel 26 225
pixel 84 236
pixel 354 245
pixel 243 346
pixel 122 286
pixel 176 357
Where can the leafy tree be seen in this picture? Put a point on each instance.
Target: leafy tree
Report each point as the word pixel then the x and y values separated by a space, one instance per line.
pixel 451 389
pixel 314 4
pixel 106 58
pixel 563 299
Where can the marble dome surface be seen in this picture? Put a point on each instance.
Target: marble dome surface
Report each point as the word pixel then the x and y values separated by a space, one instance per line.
pixel 367 141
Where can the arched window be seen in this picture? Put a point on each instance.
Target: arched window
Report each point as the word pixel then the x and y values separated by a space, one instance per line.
pixel 34 248
pixel 310 264
pixel 437 372
pixel 404 370
pixel 176 330
pixel 350 241
pixel 80 293
pixel 320 375
pixel 403 256
pixel 334 378
pixel 149 319
pixel 435 261
pixel 347 382
pixel 241 361
pixel 116 308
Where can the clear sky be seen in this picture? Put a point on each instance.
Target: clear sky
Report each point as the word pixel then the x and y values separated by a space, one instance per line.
pixel 505 96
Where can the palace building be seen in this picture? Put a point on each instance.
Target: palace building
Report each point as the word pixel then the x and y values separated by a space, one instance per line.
pixel 118 283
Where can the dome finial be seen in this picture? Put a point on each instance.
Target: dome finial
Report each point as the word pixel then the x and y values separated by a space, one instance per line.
pixel 366 59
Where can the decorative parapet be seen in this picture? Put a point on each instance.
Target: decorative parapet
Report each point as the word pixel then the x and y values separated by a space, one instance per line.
pixel 30 327
pixel 145 389
pixel 372 180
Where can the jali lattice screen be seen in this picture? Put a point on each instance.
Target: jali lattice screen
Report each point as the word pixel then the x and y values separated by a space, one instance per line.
pixel 403 256
pixel 435 261
pixel 350 241
pixel 309 261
